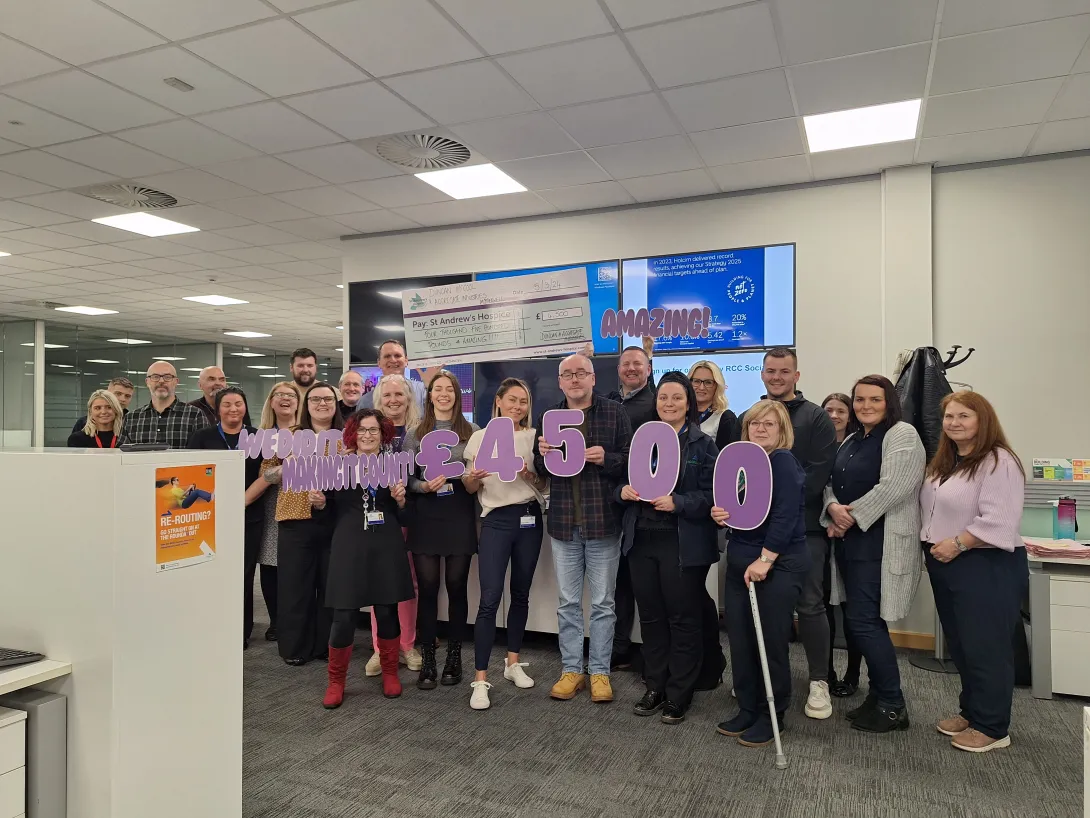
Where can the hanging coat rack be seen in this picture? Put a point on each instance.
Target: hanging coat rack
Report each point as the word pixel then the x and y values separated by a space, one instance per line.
pixel 950 363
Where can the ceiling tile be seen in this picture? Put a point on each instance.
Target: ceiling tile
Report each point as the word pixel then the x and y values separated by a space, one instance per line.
pixel 629 119
pixel 631 13
pixel 463 93
pixel 37 127
pixel 664 155
pixel 584 197
pixel 577 72
pixel 15 187
pixel 1009 55
pixel 981 146
pixel 516 137
pixel 784 170
pixel 196 185
pixel 77 31
pixel 277 57
pixel 51 170
pixel 10 147
pixel 23 262
pixel 376 221
pixel 44 238
pixel 262 209
pixel 90 101
pixel 65 257
pixel 177 21
pixel 111 252
pixel 143 74
pixel 513 206
pixel 397 191
pixel 736 101
pixel 325 201
pixel 360 111
pixel 89 231
pixel 270 127
pixel 967 16
pixel 859 161
pixel 748 143
pixel 735 41
pixel 211 261
pixel 440 213
pixel 500 26
pixel 115 157
pixel 390 36
pixel 74 205
pixel 559 170
pixel 256 255
pixel 308 250
pixel 1056 137
pixel 1074 100
pixel 990 108
pixel 835 28
pixel 207 218
pixel 865 79
pixel 292 6
pixel 1083 62
pixel 340 163
pixel 188 142
pixel 18 62
pixel 208 241
pixel 257 235
pixel 265 175
pixel 159 248
pixel 670 186
pixel 313 229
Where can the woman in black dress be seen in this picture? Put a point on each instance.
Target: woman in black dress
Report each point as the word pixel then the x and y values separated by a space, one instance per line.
pixel 443 529
pixel 367 564
pixel 104 421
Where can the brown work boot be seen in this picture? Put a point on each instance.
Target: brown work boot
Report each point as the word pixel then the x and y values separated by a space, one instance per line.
pixel 569 684
pixel 973 741
pixel 600 689
pixel 953 725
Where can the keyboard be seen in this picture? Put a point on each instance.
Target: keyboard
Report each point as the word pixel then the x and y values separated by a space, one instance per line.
pixel 10 657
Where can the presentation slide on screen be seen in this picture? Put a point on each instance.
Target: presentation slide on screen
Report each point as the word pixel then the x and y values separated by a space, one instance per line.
pixel 602 281
pixel 741 371
pixel 730 299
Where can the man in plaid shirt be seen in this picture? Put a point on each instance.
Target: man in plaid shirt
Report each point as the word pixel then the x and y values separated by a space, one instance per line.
pixel 586 531
pixel 165 419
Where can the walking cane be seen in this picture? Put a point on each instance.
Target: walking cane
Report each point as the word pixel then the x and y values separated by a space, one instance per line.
pixel 781 759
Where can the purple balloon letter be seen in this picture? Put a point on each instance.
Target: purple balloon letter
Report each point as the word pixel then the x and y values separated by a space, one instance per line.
pixel 497 453
pixel 571 461
pixel 434 455
pixel 743 457
pixel 652 483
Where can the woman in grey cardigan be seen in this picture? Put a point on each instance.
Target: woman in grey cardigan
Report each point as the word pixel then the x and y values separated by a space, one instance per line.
pixel 872 508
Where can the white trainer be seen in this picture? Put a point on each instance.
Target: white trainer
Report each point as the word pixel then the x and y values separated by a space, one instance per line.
pixel 411 659
pixel 818 703
pixel 515 673
pixel 374 665
pixel 478 700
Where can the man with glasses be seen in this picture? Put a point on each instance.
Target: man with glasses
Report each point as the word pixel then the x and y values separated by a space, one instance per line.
pixel 585 528
pixel 211 381
pixel 165 419
pixel 120 388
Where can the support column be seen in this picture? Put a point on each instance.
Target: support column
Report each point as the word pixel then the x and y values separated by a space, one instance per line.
pixel 37 435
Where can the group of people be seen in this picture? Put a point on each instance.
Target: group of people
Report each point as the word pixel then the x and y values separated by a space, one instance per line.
pixel 855 514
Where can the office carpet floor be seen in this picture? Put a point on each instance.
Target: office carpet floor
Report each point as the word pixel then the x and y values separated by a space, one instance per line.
pixel 428 755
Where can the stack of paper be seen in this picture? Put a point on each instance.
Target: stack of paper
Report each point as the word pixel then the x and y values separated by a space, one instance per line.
pixel 1068 549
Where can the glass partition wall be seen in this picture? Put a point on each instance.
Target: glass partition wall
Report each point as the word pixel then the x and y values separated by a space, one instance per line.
pixel 16 382
pixel 255 370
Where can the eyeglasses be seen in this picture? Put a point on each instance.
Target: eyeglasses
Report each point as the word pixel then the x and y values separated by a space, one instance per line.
pixel 162 378
pixel 317 400
pixel 581 375
pixel 704 382
pixel 285 396
pixel 368 432
pixel 768 425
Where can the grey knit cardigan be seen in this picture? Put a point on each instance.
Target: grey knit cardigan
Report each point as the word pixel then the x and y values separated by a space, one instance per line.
pixel 897 498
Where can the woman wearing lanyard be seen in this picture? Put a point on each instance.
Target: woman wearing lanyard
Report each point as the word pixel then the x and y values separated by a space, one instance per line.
pixel 671 543
pixel 443 531
pixel 104 422
pixel 368 564
pixel 511 533
pixel 233 418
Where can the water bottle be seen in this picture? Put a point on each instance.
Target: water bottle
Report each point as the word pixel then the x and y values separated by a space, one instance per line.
pixel 1064 525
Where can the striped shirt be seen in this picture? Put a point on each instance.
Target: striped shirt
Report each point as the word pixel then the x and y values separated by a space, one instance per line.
pixel 988 505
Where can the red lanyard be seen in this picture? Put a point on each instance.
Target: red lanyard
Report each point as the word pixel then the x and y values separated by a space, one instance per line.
pixel 113 441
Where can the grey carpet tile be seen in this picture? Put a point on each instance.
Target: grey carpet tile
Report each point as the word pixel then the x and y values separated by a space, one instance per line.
pixel 427 755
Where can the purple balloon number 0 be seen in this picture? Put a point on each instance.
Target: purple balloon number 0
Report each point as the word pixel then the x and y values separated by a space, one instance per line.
pixel 497 452
pixel 650 483
pixel 570 462
pixel 743 456
pixel 434 455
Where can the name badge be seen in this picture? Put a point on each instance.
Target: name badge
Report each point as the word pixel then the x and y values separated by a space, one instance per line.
pixel 445 489
pixel 527 521
pixel 375 518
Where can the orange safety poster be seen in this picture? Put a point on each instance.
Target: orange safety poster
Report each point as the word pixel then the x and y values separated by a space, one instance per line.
pixel 185 516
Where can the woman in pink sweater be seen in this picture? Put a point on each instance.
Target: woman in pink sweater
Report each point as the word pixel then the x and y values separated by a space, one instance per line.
pixel 970 512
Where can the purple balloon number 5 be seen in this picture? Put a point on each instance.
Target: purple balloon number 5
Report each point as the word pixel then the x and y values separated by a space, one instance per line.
pixel 652 483
pixel 747 457
pixel 434 455
pixel 569 462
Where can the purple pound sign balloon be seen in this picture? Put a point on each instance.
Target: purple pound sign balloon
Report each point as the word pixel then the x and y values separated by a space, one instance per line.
pixel 434 455
pixel 497 452
pixel 570 462
pixel 658 481
pixel 748 458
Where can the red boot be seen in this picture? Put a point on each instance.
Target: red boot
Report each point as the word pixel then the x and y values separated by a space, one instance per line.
pixel 338 671
pixel 388 650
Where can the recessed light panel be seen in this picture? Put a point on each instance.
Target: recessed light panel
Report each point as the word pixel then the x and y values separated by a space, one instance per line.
pixel 248 354
pixel 248 334
pixel 856 127
pixel 214 300
pixel 146 224
pixel 101 361
pixel 86 310
pixel 128 341
pixel 471 182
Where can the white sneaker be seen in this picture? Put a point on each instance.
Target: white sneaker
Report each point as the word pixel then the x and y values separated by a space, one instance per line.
pixel 479 698
pixel 818 703
pixel 374 665
pixel 412 659
pixel 515 673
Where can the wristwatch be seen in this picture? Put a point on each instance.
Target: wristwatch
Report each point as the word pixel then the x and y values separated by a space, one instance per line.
pixel 961 546
pixel 767 560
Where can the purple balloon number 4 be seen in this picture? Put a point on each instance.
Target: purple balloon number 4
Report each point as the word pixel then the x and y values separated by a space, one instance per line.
pixel 497 451
pixel 652 483
pixel 434 455
pixel 570 462
pixel 750 459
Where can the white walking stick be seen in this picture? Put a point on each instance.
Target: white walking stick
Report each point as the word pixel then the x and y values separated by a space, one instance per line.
pixel 781 759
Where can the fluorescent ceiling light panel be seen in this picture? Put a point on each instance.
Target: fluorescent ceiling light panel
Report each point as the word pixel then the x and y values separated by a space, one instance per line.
pixel 2 253
pixel 340 326
pixel 340 286
pixel 874 125
pixel 214 300
pixel 261 366
pixel 471 182
pixel 101 361
pixel 390 327
pixel 46 346
pixel 146 224
pixel 191 369
pixel 391 293
pixel 168 358
pixel 248 334
pixel 248 354
pixel 128 341
pixel 62 366
pixel 86 310
pixel 270 376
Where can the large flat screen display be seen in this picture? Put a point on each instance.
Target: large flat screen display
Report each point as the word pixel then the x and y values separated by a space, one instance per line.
pixel 463 372
pixel 741 372
pixel 721 300
pixel 603 295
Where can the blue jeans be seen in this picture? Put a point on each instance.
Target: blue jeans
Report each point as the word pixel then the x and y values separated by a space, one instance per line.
pixel 597 560
pixel 193 495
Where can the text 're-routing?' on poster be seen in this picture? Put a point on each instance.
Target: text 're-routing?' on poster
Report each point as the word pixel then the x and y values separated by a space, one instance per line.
pixel 185 516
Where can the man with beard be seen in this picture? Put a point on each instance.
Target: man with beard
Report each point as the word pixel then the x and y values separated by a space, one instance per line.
pixel 165 419
pixel 304 368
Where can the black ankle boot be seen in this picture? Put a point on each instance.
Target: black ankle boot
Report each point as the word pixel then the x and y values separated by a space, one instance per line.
pixel 426 680
pixel 882 719
pixel 452 668
pixel 868 704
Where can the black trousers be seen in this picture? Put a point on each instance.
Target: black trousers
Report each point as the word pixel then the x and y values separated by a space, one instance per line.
pixel 303 621
pixel 855 658
pixel 776 599
pixel 671 602
pixel 865 627
pixel 713 662
pixel 427 610
pixel 625 604
pixel 268 574
pixel 251 536
pixel 978 595
pixel 342 632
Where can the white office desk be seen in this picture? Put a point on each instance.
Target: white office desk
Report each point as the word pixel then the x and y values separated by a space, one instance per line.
pixel 29 675
pixel 1059 609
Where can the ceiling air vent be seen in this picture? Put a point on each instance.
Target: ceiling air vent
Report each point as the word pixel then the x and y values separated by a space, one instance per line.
pixel 131 197
pixel 423 151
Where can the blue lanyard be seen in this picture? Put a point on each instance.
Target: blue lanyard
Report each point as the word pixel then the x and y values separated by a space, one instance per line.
pixel 707 413
pixel 219 428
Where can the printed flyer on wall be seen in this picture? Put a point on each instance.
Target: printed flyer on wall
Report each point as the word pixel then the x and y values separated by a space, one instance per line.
pixel 1053 468
pixel 185 516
